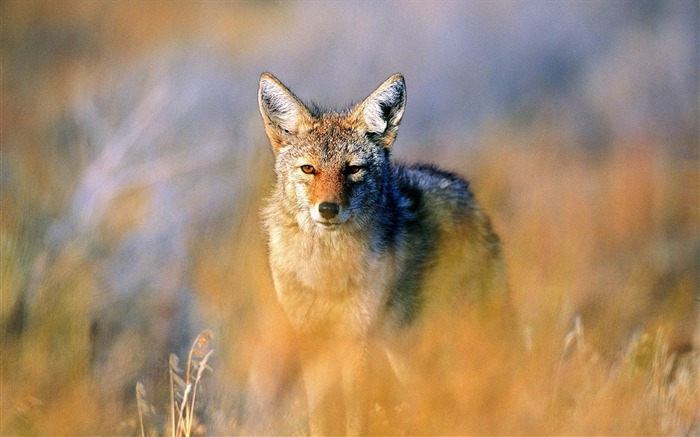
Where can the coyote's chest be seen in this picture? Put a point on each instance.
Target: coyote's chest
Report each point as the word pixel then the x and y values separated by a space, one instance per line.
pixel 332 283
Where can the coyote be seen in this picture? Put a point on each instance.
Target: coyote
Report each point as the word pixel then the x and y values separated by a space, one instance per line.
pixel 360 248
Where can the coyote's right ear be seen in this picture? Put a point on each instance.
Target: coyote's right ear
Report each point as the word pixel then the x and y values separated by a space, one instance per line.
pixel 282 112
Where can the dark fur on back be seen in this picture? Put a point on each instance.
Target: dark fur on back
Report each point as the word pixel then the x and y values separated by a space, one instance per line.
pixel 410 215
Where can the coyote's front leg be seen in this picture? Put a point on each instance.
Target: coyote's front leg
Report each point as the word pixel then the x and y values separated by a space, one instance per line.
pixel 321 367
pixel 354 372
pixel 318 371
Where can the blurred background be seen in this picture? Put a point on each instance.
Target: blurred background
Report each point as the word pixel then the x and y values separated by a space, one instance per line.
pixel 134 163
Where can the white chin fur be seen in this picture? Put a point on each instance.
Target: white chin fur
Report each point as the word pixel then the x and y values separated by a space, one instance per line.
pixel 341 218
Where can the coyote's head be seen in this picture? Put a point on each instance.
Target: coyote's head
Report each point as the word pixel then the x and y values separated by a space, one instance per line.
pixel 331 166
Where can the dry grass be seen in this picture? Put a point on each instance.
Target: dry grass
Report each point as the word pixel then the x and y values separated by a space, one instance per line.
pixel 182 420
pixel 602 248
pixel 600 252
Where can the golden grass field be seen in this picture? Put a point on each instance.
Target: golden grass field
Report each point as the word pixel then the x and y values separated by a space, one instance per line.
pixel 602 247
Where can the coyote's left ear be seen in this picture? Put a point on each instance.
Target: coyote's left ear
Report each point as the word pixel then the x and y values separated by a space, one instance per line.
pixel 381 112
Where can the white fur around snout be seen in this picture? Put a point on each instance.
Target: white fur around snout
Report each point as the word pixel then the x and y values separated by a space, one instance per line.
pixel 342 217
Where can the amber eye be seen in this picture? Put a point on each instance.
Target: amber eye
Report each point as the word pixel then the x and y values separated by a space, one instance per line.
pixel 352 169
pixel 308 169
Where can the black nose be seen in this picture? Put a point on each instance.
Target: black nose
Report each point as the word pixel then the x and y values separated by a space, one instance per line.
pixel 328 210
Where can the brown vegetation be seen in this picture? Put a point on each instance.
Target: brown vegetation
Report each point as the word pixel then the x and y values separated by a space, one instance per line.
pixel 602 245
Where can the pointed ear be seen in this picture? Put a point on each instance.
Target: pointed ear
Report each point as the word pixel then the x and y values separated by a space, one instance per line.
pixel 282 112
pixel 381 112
